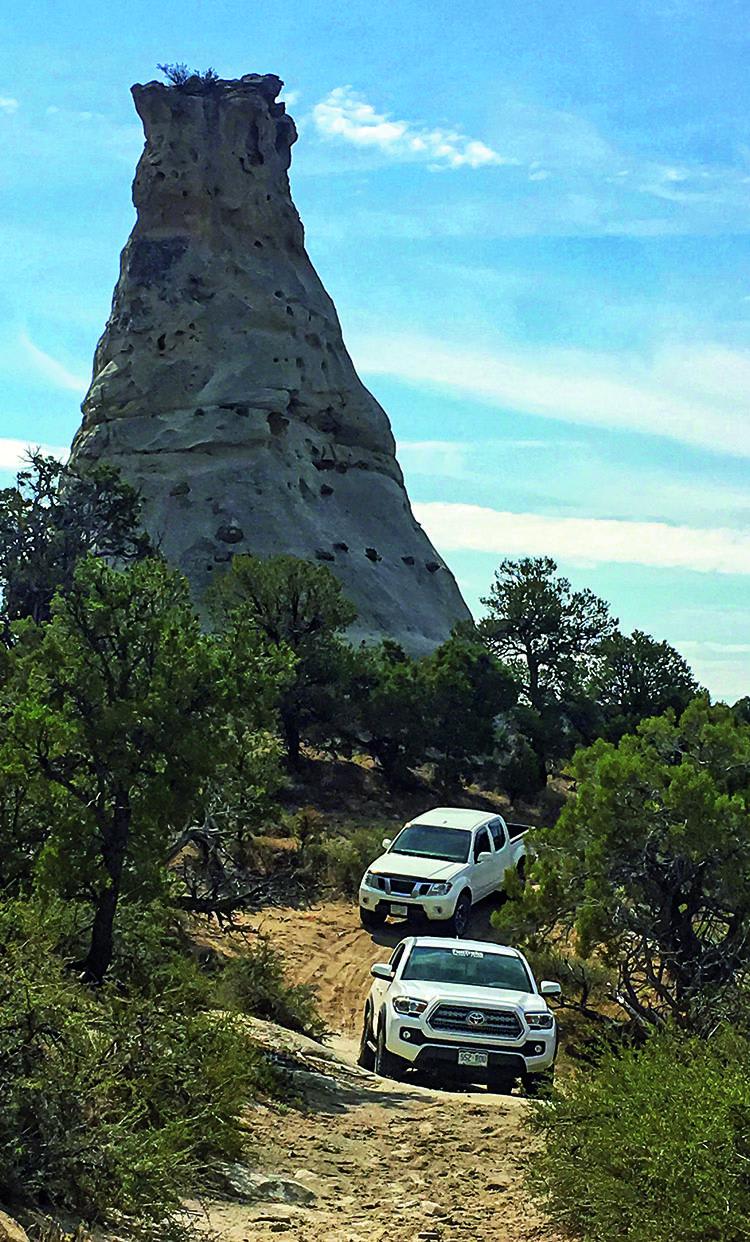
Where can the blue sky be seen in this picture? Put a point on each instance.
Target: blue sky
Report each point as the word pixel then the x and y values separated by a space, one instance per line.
pixel 533 218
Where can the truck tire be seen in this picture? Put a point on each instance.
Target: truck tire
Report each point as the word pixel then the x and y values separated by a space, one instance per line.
pixel 501 1085
pixel 458 923
pixel 539 1084
pixel 366 1058
pixel 521 872
pixel 387 1064
pixel 371 920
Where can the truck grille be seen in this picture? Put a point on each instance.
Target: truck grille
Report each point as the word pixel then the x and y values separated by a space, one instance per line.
pixel 498 1023
pixel 402 885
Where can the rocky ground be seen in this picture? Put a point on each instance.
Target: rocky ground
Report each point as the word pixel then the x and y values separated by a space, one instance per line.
pixel 361 1157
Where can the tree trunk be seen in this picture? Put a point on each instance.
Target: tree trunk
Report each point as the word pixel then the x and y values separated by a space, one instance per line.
pixel 290 726
pixel 115 838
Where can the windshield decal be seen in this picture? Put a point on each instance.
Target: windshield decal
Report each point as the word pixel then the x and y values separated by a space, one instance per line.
pixel 466 953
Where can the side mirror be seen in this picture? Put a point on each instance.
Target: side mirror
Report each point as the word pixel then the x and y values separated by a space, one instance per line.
pixel 483 857
pixel 386 842
pixel 381 970
pixel 548 988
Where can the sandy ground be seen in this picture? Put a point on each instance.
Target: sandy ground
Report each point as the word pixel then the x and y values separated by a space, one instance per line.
pixel 383 1159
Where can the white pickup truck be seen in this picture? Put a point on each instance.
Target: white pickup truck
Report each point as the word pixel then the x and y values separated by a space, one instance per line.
pixel 470 1011
pixel 440 864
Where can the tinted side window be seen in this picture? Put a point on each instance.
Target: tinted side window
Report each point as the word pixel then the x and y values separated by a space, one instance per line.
pixel 481 843
pixel 498 833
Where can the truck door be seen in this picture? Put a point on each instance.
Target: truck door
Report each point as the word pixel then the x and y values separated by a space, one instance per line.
pixel 483 878
pixel 501 857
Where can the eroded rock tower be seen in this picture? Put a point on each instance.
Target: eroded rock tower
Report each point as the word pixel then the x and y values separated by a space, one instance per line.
pixel 222 387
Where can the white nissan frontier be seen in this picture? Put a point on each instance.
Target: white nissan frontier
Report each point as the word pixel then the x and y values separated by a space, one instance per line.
pixel 439 865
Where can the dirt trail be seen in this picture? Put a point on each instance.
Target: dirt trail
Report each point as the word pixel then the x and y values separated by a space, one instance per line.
pixel 382 1159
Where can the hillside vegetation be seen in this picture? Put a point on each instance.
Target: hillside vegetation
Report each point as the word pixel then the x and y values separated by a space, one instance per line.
pixel 146 763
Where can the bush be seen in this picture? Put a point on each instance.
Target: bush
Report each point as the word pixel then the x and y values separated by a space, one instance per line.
pixel 653 1144
pixel 111 1103
pixel 339 862
pixel 255 984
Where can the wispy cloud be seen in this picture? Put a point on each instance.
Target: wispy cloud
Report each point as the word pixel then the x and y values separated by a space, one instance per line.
pixel 50 369
pixel 345 116
pixel 699 395
pixel 593 541
pixel 13 452
pixel 8 104
pixel 459 459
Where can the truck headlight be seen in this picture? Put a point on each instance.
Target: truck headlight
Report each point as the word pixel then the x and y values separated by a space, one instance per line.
pixel 407 1004
pixel 540 1021
pixel 440 890
pixel 371 880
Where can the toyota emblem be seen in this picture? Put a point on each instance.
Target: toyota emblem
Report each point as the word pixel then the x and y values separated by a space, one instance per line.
pixel 475 1018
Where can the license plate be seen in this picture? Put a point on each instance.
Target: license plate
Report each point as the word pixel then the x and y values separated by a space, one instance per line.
pixel 398 909
pixel 472 1058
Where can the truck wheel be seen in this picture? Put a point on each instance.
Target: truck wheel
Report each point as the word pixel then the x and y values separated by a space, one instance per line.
pixel 501 1085
pixel 458 923
pixel 521 872
pixel 386 1063
pixel 366 1056
pixel 371 920
pixel 539 1084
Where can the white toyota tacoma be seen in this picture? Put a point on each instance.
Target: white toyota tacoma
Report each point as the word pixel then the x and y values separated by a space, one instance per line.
pixel 470 1011
pixel 440 864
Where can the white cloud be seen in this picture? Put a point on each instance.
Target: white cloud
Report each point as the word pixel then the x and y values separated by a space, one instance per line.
pixel 290 98
pixel 460 527
pixel 8 104
pixel 50 369
pixel 346 116
pixel 13 452
pixel 699 395
pixel 460 459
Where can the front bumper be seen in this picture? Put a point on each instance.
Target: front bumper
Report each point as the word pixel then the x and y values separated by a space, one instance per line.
pixel 414 1041
pixel 434 908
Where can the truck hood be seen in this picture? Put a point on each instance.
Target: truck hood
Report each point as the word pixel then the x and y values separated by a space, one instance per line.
pixel 420 868
pixel 459 994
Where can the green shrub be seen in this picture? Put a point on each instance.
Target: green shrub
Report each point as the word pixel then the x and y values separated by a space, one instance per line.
pixel 255 984
pixel 339 862
pixel 652 1145
pixel 111 1103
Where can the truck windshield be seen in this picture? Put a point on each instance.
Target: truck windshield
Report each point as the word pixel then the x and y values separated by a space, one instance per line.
pixel 424 841
pixel 470 967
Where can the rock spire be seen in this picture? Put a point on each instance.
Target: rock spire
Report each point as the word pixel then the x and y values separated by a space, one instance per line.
pixel 222 387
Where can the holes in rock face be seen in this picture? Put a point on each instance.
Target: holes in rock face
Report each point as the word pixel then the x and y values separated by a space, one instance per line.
pixel 161 343
pixel 230 534
pixel 289 311
pixel 372 554
pixel 277 424
pixel 160 176
pixel 326 490
pixel 341 547
pixel 299 362
pixel 180 489
pixel 431 566
pixel 199 413
pixel 313 340
pixel 304 489
pixel 277 293
pixel 408 560
pixel 322 554
pixel 222 557
pixel 258 245
pixel 184 193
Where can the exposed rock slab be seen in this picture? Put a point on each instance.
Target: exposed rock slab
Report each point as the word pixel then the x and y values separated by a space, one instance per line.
pixel 222 387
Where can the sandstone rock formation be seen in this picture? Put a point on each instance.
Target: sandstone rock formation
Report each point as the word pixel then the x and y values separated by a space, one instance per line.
pixel 222 387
